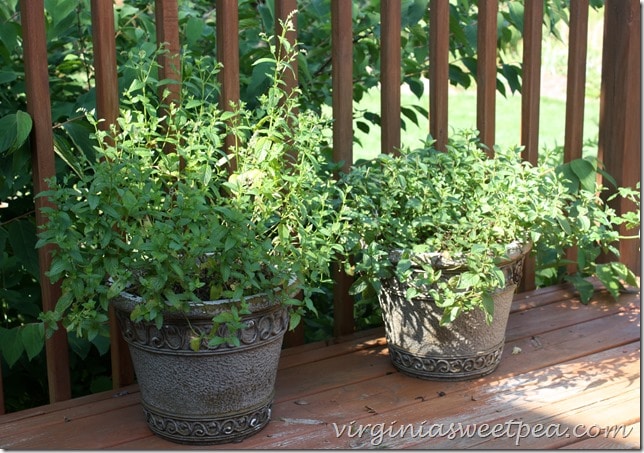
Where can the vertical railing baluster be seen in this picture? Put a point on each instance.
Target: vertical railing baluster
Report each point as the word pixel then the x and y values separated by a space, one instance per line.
pixel 107 108
pixel 227 17
pixel 342 92
pixel 486 73
pixel 438 70
pixel 166 13
pixel 390 62
pixel 576 92
pixel 42 145
pixel 531 87
pixel 576 79
pixel 530 97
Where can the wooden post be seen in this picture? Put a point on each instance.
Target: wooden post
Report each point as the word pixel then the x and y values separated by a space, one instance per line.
pixel 576 82
pixel 620 109
pixel 342 86
pixel 107 108
pixel 438 70
pixel 42 146
pixel 486 73
pixel 167 25
pixel 228 51
pixel 530 97
pixel 227 17
pixel 531 88
pixel 390 62
pixel 576 92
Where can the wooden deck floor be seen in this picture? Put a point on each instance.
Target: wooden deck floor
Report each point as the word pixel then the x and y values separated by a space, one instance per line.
pixel 569 378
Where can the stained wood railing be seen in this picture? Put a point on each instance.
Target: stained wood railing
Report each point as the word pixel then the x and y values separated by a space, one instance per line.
pixel 619 129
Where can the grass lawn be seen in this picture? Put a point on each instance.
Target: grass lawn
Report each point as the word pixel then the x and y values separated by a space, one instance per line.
pixel 462 103
pixel 462 114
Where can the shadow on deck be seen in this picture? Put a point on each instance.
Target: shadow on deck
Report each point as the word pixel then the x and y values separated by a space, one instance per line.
pixel 569 378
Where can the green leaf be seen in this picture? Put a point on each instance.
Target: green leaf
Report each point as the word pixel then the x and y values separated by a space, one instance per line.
pixel 57 268
pixel 14 130
pixel 516 14
pixel 416 86
pixel 488 304
pixel 195 343
pixel 194 30
pixel 468 279
pixel 80 133
pixel 411 292
pixel 7 132
pixel 207 175
pixel 359 285
pixel 7 76
pixel 23 127
pixel 625 273
pixel 22 238
pixel 102 344
pixel 33 338
pixel 611 279
pixel 64 150
pixel 583 286
pixel 11 346
pixel 585 171
pixel 295 320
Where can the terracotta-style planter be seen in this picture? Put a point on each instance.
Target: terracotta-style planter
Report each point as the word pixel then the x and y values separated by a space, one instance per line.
pixel 216 394
pixel 464 349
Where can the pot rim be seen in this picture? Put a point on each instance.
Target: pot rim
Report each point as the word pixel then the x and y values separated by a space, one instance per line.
pixel 514 250
pixel 206 309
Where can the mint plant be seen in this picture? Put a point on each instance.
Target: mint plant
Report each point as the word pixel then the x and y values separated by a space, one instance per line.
pixel 436 212
pixel 202 222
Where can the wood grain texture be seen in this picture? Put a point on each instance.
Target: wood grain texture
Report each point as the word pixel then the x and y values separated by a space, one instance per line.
pixel 390 69
pixel 620 109
pixel 438 71
pixel 576 80
pixel 227 36
pixel 486 73
pixel 579 366
pixel 43 166
pixel 531 87
pixel 342 98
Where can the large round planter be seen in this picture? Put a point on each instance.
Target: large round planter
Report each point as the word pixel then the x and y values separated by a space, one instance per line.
pixel 216 394
pixel 467 348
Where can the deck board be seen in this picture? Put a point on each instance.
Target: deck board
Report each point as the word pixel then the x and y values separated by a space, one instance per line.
pixel 564 364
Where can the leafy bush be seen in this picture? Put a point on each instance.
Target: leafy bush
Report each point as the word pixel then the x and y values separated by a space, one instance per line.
pixel 422 214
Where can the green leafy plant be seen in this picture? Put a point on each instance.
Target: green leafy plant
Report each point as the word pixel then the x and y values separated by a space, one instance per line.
pixel 200 222
pixel 72 86
pixel 459 209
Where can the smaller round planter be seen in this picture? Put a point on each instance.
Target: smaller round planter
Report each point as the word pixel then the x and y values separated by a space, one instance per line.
pixel 216 394
pixel 467 348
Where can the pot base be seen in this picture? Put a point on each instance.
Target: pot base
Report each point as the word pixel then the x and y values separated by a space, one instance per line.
pixel 203 431
pixel 452 368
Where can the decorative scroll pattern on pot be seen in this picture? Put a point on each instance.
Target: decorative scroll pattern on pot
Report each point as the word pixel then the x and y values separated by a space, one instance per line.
pixel 231 428
pixel 451 368
pixel 258 328
pixel 513 272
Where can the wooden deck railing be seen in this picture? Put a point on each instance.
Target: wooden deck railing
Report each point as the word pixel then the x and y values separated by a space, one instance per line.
pixel 619 129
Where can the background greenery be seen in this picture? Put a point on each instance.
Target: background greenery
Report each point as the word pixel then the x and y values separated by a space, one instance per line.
pixel 70 56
